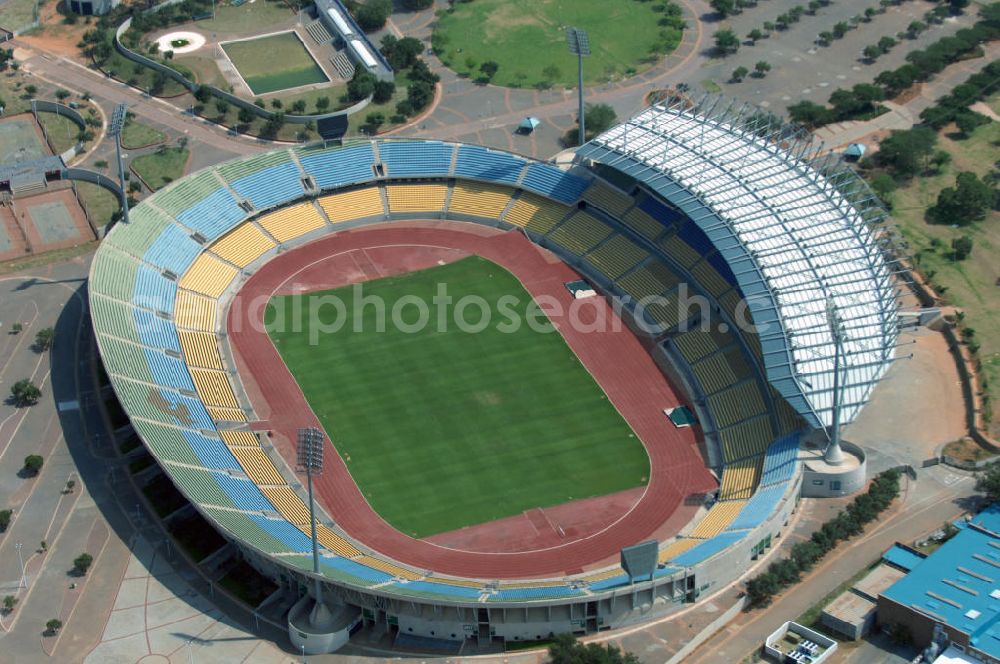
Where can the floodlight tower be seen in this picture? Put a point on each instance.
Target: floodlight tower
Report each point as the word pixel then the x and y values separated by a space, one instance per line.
pixel 579 45
pixel 834 455
pixel 114 131
pixel 310 462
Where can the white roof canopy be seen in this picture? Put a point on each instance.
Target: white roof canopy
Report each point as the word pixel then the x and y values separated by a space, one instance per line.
pixel 797 236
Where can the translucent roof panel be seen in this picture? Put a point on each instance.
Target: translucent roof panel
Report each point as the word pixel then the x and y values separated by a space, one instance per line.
pixel 797 239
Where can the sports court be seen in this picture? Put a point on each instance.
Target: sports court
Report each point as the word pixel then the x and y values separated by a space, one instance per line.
pixel 21 139
pixel 274 62
pixel 444 427
pixel 46 221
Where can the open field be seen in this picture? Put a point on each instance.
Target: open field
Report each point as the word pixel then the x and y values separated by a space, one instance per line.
pixel 20 140
pixel 247 19
pixel 138 135
pixel 100 204
pixel 277 62
pixel 161 167
pixel 447 429
pixel 61 130
pixel 526 36
pixel 17 14
pixel 972 283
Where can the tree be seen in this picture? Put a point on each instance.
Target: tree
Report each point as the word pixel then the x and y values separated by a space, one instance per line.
pixel 372 15
pixel 810 114
pixel 222 107
pixel 33 464
pixel 53 626
pixel 373 121
pixel 551 73
pixel 886 44
pixel 988 482
pixel 82 563
pixel 964 203
pixel 824 38
pixel 739 74
pixel 24 393
pixel 565 649
pixel 30 91
pixel 361 86
pixel 383 91
pixel 914 29
pixel 44 339
pixel 599 118
pixel 761 68
pixel 401 53
pixel 202 93
pixel 5 516
pixel 417 5
pixel 905 152
pixel 276 103
pixel 755 35
pixel 62 94
pixel 871 52
pixel 961 247
pixel 883 185
pixel 322 103
pixel 967 121
pixel 70 485
pixel 16 328
pixel 726 42
pixel 9 602
pixel 245 115
pixel 419 94
pixel 724 8
pixel 489 69
pixel 299 106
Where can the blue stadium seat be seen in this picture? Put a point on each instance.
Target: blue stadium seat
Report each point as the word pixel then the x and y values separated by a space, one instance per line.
pixel 544 592
pixel 333 168
pixel 173 249
pixel 416 159
pixel 666 215
pixel 284 532
pixel 271 186
pixel 168 371
pixel 212 452
pixel 357 570
pixel 781 460
pixel 154 331
pixel 483 164
pixel 708 548
pixel 442 589
pixel 213 215
pixel 554 183
pixel 613 582
pixel 193 409
pixel 760 506
pixel 243 493
pixel 153 290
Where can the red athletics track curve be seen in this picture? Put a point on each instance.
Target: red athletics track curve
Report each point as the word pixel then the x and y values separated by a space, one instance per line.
pixel 616 358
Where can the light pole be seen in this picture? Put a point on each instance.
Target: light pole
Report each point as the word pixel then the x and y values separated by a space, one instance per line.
pixel 310 461
pixel 834 455
pixel 579 45
pixel 190 651
pixel 114 131
pixel 20 559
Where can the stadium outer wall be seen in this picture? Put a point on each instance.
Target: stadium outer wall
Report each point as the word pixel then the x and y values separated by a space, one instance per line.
pixel 521 620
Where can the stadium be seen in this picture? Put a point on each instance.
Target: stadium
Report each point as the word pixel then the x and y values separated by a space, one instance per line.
pixel 444 548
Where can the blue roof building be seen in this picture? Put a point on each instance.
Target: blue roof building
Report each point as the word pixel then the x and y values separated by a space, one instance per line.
pixel 958 587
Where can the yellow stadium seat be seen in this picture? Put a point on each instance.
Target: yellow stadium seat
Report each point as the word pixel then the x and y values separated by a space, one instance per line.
pixel 243 245
pixel 214 388
pixel 675 549
pixel 717 519
pixel 416 197
pixel 535 213
pixel 201 349
pixel 288 503
pixel 208 276
pixel 292 222
pixel 481 200
pixel 256 465
pixel 351 205
pixel 195 312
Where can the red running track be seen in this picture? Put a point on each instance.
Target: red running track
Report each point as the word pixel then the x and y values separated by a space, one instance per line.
pixel 614 356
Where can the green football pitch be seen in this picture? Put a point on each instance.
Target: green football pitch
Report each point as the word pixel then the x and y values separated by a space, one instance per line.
pixel 275 62
pixel 446 429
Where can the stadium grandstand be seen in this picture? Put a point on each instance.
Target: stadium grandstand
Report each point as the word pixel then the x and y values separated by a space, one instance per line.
pixel 682 198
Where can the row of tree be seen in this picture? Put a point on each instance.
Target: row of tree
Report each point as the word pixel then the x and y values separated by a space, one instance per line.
pixel 804 555
pixel 861 101
pixel 954 106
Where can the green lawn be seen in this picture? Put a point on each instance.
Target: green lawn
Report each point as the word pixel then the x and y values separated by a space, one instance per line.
pixel 17 14
pixel 137 135
pixel 526 36
pixel 100 203
pixel 161 167
pixel 274 63
pixel 972 283
pixel 447 429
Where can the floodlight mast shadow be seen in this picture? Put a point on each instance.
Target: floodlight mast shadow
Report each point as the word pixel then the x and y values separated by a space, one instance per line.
pixel 579 45
pixel 114 131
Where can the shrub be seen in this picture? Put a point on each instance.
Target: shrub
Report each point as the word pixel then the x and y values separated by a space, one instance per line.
pixel 82 563
pixel 33 464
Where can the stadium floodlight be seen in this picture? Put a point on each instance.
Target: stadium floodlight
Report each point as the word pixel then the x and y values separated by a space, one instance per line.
pixel 310 462
pixel 834 455
pixel 114 131
pixel 579 45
